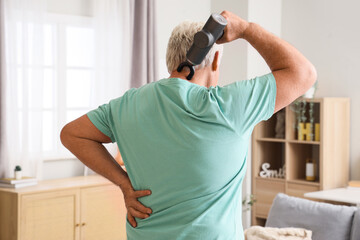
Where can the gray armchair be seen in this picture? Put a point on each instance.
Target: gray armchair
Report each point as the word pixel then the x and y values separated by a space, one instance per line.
pixel 326 221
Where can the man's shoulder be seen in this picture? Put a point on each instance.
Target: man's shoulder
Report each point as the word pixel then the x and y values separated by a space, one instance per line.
pixel 134 92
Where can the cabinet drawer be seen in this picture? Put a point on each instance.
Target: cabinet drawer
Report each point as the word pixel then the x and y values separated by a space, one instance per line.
pixel 298 190
pixel 266 190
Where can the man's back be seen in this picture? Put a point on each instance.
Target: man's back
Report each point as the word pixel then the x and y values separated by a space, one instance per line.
pixel 188 145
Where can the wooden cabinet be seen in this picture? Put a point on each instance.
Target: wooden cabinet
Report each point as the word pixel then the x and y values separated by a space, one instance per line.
pixel 98 220
pixel 330 153
pixel 75 208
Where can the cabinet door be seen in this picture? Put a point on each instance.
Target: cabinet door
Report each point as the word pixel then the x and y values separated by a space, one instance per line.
pixel 49 216
pixel 103 213
pixel 265 193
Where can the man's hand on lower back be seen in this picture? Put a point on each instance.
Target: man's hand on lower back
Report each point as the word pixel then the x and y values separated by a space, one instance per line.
pixel 135 209
pixel 85 141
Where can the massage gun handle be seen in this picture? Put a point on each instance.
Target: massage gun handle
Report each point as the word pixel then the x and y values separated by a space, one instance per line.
pixel 205 39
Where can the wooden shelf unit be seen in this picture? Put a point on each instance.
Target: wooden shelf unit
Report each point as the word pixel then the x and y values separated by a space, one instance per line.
pixel 331 154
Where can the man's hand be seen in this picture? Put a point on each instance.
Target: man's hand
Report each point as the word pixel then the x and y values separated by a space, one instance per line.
pixel 234 29
pixel 135 209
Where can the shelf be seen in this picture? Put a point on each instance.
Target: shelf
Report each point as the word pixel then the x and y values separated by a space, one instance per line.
pixel 272 179
pixel 304 182
pixel 284 140
pixel 292 118
pixel 260 220
pixel 267 129
pixel 304 142
pixel 314 100
pixel 270 152
pixel 271 140
pixel 331 166
pixel 296 161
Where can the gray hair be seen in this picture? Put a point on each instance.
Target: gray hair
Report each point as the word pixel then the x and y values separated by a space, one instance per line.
pixel 180 41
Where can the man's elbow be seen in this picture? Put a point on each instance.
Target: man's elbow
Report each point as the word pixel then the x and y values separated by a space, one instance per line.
pixel 65 135
pixel 307 77
pixel 312 75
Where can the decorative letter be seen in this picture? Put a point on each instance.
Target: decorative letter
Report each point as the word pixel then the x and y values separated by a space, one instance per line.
pixel 265 172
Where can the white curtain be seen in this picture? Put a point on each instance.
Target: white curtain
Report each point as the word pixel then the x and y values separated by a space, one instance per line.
pixel 2 73
pixel 25 80
pixel 23 39
pixel 112 41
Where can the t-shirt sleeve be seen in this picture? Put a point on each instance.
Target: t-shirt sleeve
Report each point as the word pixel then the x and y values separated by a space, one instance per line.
pixel 252 101
pixel 100 117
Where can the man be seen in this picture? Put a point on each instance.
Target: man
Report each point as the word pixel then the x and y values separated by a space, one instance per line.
pixel 184 143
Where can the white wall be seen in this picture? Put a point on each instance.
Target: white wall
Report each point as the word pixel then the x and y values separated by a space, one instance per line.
pixel 267 13
pixel 327 32
pixel 234 62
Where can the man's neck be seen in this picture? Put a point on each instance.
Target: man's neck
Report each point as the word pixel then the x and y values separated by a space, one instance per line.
pixel 201 77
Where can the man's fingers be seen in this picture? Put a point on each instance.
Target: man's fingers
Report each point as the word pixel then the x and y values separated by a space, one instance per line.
pixel 131 220
pixel 223 39
pixel 138 214
pixel 142 193
pixel 138 206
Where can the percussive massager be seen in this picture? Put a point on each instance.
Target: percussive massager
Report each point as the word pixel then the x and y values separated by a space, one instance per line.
pixel 203 41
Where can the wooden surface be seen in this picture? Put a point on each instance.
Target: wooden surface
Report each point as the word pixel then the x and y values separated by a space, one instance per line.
pixel 331 154
pixel 74 208
pixel 342 195
pixel 58 184
pixel 298 189
pixel 9 216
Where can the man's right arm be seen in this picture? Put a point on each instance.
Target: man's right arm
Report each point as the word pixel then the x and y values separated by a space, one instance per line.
pixel 294 74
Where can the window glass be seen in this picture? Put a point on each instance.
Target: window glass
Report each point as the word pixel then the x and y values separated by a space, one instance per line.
pixel 47 131
pixel 74 114
pixel 49 32
pixel 78 87
pixel 79 47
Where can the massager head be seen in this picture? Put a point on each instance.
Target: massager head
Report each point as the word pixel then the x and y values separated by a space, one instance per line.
pixel 203 41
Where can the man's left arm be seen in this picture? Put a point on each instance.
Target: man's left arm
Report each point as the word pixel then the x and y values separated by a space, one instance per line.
pixel 85 141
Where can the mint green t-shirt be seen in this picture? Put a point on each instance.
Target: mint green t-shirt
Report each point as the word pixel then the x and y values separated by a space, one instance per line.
pixel 188 145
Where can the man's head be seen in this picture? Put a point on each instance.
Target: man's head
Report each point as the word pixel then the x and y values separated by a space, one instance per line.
pixel 180 42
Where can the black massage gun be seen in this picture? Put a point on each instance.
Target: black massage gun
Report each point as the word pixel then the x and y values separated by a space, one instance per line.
pixel 203 41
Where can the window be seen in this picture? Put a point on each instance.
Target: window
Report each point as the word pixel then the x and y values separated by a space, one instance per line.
pixel 67 79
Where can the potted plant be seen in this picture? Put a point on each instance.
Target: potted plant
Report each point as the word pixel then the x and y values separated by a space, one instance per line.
pixel 18 173
pixel 248 202
pixel 299 107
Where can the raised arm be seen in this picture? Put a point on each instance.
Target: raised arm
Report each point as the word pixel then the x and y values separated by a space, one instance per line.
pixel 85 141
pixel 294 74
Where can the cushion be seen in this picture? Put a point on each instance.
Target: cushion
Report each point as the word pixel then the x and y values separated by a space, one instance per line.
pixel 261 233
pixel 326 221
pixel 355 230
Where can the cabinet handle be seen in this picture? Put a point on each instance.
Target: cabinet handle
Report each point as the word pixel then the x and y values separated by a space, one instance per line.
pixel 77 225
pixel 83 224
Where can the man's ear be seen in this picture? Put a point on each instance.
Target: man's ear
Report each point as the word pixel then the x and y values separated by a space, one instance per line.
pixel 215 63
